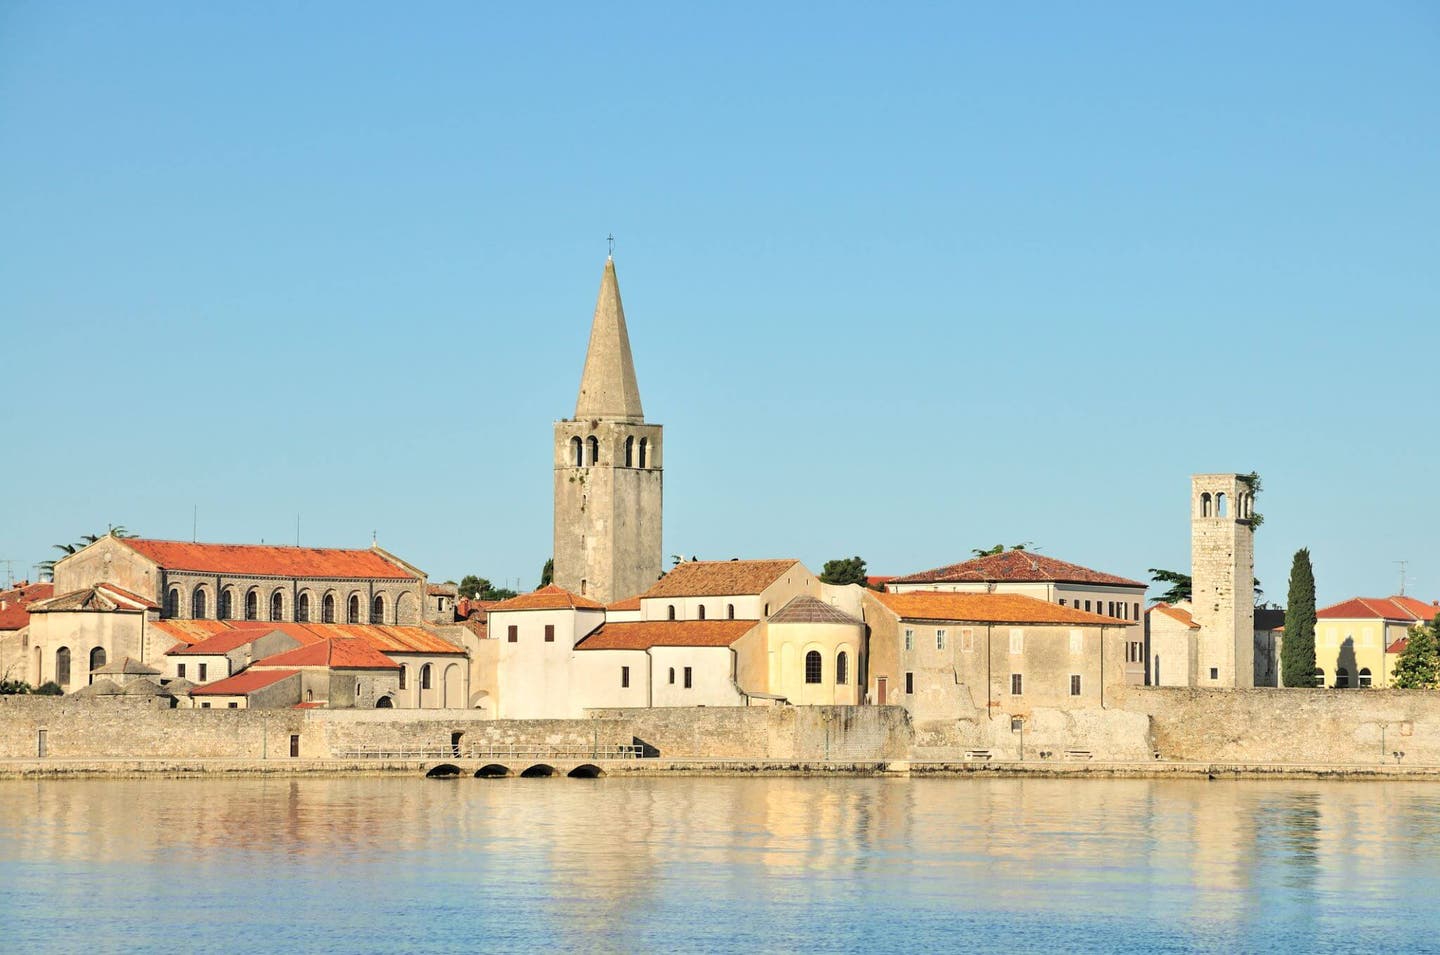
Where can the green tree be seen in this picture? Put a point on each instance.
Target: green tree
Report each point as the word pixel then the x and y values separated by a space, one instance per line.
pixel 547 573
pixel 1418 667
pixel 48 689
pixel 846 570
pixel 478 588
pixel 47 567
pixel 1179 584
pixel 1297 652
pixel 1252 481
pixel 999 549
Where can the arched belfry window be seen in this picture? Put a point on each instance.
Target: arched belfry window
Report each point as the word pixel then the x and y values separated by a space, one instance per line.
pixel 353 613
pixel 577 452
pixel 377 610
pixel 225 606
pixel 630 451
pixel 302 609
pixel 198 604
pixel 594 444
pixel 644 450
pixel 327 609
pixel 1205 504
pixel 1222 506
pixel 172 602
pixel 277 606
pixel 842 668
pixel 813 667
pixel 252 604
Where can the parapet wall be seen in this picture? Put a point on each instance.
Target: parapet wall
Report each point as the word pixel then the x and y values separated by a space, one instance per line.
pixel 771 732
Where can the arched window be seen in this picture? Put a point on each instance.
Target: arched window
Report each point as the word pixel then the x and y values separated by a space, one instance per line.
pixel 630 451
pixel 252 604
pixel 62 666
pixel 644 450
pixel 302 609
pixel 577 452
pixel 277 606
pixel 672 676
pixel 1222 507
pixel 172 602
pixel 1205 504
pixel 352 615
pixel 225 606
pixel 701 613
pixel 594 443
pixel 97 659
pixel 1364 677
pixel 327 609
pixel 671 608
pixel 425 677
pixel 842 668
pixel 729 611
pixel 812 667
pixel 404 672
pixel 309 696
pixel 377 610
pixel 1319 677
pixel 1342 677
pixel 197 604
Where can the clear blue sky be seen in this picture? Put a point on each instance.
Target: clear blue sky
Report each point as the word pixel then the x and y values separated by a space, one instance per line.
pixel 901 280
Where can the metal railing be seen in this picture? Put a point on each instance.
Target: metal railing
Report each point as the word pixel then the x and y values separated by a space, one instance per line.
pixel 488 752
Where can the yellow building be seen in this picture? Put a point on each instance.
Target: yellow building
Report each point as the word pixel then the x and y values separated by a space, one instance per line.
pixel 1358 640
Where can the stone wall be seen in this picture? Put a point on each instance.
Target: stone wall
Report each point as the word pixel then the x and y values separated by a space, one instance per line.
pixel 771 732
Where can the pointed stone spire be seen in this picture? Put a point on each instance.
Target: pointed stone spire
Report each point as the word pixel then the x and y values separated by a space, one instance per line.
pixel 608 390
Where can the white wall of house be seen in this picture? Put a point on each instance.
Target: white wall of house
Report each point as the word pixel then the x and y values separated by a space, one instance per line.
pixel 711 677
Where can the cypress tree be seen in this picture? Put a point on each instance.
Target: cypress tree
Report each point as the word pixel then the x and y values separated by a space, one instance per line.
pixel 1297 652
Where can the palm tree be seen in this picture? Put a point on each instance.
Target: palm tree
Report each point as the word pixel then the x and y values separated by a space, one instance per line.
pixel 47 567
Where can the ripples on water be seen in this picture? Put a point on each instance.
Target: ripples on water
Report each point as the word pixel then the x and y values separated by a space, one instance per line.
pixel 349 865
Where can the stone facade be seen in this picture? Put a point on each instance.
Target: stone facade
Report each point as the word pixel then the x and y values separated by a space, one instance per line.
pixel 1222 571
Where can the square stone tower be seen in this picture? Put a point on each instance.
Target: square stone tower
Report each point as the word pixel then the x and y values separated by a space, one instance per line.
pixel 608 469
pixel 1222 576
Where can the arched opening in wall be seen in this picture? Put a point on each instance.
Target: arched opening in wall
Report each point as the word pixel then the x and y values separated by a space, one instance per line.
pixel 454 697
pixel 39 666
pixel 198 604
pixel 404 673
pixel 700 612
pixel 252 604
pixel 644 451
pixel 302 609
pixel 444 771
pixel 97 659
pixel 586 771
pixel 225 606
pixel 277 606
pixel 1222 506
pixel 377 609
pixel 327 609
pixel 455 739
pixel 309 696
pixel 1342 678
pixel 492 771
pixel 62 666
pixel 1365 677
pixel 352 613
pixel 425 677
pixel 842 668
pixel 594 447
pixel 672 676
pixel 729 611
pixel 384 703
pixel 813 667
pixel 402 608
pixel 172 602
pixel 1205 504
pixel 538 771
pixel 577 452
pixel 630 451
pixel 671 609
pixel 1319 676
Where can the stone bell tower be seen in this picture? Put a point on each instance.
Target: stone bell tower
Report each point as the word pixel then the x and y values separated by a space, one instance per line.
pixel 608 469
pixel 1222 579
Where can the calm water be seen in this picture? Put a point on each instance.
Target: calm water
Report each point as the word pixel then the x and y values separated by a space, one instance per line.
pixel 358 865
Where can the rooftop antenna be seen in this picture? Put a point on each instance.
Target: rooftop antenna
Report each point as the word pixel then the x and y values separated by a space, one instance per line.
pixel 194 523
pixel 374 539
pixel 611 240
pixel 297 530
pixel 1402 564
pixel 9 572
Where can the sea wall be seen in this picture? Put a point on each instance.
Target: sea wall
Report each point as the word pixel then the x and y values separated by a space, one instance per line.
pixel 771 732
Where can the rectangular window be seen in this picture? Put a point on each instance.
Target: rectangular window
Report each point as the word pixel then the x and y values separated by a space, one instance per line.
pixel 909 639
pixel 1137 613
pixel 203 668
pixel 1017 640
pixel 939 639
pixel 1214 673
pixel 967 640
pixel 512 633
pixel 234 705
pixel 180 671
pixel 1087 605
pixel 294 745
pixel 909 682
pixel 549 633
pixel 624 676
pixel 1017 684
pixel 205 705
pixel 688 678
pixel 1110 609
pixel 1062 601
pixel 1077 641
pixel 1074 684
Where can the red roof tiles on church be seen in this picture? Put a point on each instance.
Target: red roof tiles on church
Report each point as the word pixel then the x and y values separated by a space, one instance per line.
pixel 242 683
pixel 989 608
pixel 1018 566
pixel 344 653
pixel 641 635
pixel 13 604
pixel 720 578
pixel 551 597
pixel 269 560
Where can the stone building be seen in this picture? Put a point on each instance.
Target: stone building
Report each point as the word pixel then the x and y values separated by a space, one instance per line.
pixel 608 469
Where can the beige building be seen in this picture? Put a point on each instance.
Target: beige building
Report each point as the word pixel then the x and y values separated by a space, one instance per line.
pixel 1357 641
pixel 608 469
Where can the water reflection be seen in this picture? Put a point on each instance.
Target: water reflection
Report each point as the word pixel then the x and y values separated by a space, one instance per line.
pixel 625 864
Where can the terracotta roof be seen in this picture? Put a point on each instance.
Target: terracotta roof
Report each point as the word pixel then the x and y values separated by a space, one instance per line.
pixel 1018 566
pixel 466 606
pixel 1175 613
pixel 440 590
pixel 551 597
pixel 476 625
pixel 242 683
pixel 1406 609
pixel 222 642
pixel 386 639
pixel 194 631
pixel 629 603
pixel 309 705
pixel 269 560
pixel 1398 646
pixel 719 578
pixel 644 634
pixel 101 598
pixel 807 609
pixel 344 653
pixel 988 608
pixel 14 604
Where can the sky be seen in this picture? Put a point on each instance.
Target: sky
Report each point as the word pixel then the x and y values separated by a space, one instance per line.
pixel 901 280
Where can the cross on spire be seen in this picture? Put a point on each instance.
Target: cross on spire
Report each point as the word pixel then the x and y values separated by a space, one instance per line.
pixel 611 240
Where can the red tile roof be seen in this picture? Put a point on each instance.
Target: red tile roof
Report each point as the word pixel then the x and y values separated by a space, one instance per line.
pixel 386 639
pixel 641 635
pixel 629 603
pixel 1398 646
pixel 196 631
pixel 988 608
pixel 1405 609
pixel 243 683
pixel 1016 566
pixel 1175 613
pixel 222 642
pixel 344 653
pixel 13 604
pixel 720 578
pixel 551 597
pixel 270 560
